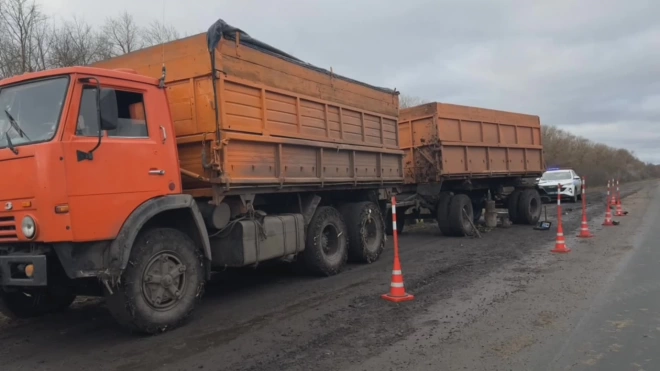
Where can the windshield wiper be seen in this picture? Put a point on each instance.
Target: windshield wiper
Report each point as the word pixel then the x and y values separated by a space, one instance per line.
pixel 10 144
pixel 16 127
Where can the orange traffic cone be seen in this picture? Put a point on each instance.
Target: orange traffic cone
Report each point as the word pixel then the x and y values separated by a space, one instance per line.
pixel 560 242
pixel 619 209
pixel 397 292
pixel 584 228
pixel 608 212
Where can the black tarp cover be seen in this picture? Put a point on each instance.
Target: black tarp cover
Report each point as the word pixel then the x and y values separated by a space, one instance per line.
pixel 221 29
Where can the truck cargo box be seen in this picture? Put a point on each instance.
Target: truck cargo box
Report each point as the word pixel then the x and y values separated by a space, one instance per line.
pixel 444 141
pixel 281 122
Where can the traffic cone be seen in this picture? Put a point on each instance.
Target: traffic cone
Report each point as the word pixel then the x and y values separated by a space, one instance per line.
pixel 613 200
pixel 608 212
pixel 619 209
pixel 584 228
pixel 397 292
pixel 560 242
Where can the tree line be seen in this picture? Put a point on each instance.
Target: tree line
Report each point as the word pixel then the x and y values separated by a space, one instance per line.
pixel 32 41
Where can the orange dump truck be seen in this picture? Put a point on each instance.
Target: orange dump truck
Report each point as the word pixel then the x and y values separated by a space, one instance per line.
pixel 457 157
pixel 134 181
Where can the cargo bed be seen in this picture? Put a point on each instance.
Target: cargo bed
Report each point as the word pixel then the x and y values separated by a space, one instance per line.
pixel 282 124
pixel 446 141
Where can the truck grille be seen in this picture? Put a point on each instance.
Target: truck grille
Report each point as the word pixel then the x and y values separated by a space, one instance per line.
pixel 8 229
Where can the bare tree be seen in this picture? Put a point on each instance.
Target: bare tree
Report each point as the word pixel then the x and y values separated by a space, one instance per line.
pixel 159 33
pixel 23 37
pixel 123 34
pixel 75 43
pixel 407 101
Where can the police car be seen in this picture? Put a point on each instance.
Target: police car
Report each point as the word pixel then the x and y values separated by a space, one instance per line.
pixel 571 184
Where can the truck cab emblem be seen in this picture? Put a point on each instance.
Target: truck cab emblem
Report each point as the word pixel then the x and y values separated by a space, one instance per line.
pixel 9 206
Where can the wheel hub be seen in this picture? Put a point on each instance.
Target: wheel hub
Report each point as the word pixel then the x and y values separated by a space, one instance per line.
pixel 163 281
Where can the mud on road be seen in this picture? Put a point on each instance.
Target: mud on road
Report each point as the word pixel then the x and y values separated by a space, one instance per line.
pixel 270 318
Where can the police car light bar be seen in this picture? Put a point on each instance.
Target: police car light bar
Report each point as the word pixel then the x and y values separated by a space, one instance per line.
pixel 553 168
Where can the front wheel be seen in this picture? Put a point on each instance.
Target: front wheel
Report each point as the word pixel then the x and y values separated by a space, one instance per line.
pixel 162 283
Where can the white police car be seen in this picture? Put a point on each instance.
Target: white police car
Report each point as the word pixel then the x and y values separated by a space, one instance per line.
pixel 571 184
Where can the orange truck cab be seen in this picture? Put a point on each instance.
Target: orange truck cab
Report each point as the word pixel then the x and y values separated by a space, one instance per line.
pixel 93 201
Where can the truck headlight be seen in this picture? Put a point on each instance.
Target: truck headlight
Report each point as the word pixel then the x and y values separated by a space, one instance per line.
pixel 29 227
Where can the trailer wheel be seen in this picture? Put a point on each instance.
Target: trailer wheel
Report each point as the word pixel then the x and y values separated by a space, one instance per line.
pixel 326 248
pixel 513 201
pixel 161 284
pixel 529 207
pixel 442 213
pixel 366 231
pixel 460 224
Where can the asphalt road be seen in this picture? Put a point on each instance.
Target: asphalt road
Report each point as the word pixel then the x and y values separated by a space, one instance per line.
pixel 499 302
pixel 621 331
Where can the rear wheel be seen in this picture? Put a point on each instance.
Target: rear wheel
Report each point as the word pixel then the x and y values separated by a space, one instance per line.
pixel 162 283
pixel 512 201
pixel 529 207
pixel 326 248
pixel 442 213
pixel 366 231
pixel 460 215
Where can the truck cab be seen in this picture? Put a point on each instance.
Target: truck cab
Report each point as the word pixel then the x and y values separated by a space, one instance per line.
pixel 82 150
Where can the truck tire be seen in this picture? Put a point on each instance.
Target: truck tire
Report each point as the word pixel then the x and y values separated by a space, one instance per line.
pixel 33 303
pixel 442 213
pixel 512 204
pixel 460 225
pixel 326 247
pixel 162 283
pixel 366 231
pixel 529 207
pixel 400 222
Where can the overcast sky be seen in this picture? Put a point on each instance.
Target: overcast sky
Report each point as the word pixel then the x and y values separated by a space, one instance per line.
pixel 589 66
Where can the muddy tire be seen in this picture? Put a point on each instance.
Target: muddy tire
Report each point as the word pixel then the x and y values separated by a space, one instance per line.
pixel 366 231
pixel 460 225
pixel 529 207
pixel 326 246
pixel 512 204
pixel 442 213
pixel 33 303
pixel 162 283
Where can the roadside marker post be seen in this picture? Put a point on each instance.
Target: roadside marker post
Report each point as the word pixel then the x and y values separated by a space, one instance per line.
pixel 608 213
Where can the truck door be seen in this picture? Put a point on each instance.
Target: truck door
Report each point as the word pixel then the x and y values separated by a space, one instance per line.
pixel 134 163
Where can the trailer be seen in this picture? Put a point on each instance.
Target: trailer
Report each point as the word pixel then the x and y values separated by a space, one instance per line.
pixel 457 157
pixel 168 163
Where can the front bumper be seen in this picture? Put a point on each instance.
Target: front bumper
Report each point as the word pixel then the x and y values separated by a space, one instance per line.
pixel 12 270
pixel 567 191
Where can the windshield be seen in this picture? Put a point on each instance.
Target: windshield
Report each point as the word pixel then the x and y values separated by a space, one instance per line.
pixel 30 112
pixel 556 175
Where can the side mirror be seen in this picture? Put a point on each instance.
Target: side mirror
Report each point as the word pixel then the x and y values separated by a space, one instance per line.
pixel 577 177
pixel 109 112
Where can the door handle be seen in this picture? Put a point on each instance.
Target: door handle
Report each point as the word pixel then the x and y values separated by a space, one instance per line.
pixel 156 172
pixel 162 128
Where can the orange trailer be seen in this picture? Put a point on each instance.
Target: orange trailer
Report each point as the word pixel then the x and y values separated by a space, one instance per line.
pixel 457 155
pixel 144 173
